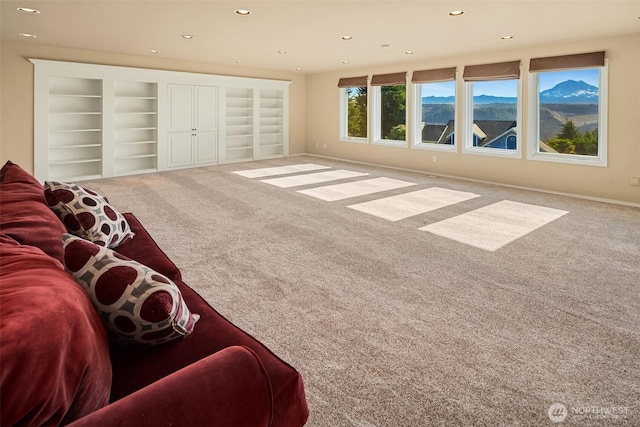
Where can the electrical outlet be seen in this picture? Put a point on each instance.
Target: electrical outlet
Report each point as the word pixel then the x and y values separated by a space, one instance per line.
pixel 434 158
pixel 324 146
pixel 316 145
pixel 634 181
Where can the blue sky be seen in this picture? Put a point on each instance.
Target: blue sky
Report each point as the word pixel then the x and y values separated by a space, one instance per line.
pixel 439 89
pixel 510 87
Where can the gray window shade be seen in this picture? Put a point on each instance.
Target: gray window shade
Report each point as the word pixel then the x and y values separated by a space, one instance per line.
pixel 353 82
pixel 389 79
pixel 439 75
pixel 497 71
pixel 581 60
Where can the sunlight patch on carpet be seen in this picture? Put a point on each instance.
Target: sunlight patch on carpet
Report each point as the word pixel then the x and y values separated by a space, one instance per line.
pixel 347 190
pixel 312 178
pixel 280 170
pixel 496 225
pixel 403 206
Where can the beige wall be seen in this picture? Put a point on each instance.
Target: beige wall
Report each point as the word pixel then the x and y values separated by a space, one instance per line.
pixel 16 91
pixel 612 182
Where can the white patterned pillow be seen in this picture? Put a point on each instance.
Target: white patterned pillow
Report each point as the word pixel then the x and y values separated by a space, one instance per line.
pixel 87 214
pixel 137 304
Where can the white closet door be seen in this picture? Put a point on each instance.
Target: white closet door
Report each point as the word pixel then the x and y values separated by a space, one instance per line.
pixel 206 108
pixel 180 149
pixel 180 108
pixel 207 147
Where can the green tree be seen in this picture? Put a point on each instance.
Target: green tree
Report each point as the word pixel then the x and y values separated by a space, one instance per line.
pixel 357 112
pixel 569 131
pixel 571 141
pixel 398 133
pixel 562 145
pixel 393 105
pixel 588 143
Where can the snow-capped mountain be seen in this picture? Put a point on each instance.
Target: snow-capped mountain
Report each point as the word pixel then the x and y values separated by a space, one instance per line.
pixel 570 91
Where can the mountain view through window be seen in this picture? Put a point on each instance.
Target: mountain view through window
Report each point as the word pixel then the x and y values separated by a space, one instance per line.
pixel 568 115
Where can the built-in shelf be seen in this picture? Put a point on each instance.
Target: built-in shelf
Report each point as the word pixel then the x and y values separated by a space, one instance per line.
pixel 136 127
pixel 272 134
pixel 239 139
pixel 75 127
pixel 93 121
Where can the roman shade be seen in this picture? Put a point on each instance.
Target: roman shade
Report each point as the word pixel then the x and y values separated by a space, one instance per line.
pixel 563 62
pixel 389 79
pixel 429 76
pixel 353 81
pixel 497 71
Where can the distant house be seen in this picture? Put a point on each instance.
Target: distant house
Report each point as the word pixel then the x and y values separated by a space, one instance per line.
pixel 486 133
pixel 438 134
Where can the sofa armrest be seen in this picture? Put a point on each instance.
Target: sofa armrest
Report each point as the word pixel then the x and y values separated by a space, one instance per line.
pixel 228 388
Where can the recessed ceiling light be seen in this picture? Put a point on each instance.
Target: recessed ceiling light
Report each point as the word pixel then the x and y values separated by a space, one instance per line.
pixel 33 36
pixel 298 69
pixel 456 13
pixel 239 61
pixel 243 12
pixel 347 37
pixel 507 37
pixel 346 62
pixel 408 52
pixel 281 52
pixel 186 36
pixel 385 46
pixel 28 10
pixel 153 51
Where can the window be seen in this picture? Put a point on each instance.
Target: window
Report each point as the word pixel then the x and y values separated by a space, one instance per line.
pixel 568 112
pixel 434 108
pixel 390 108
pixel 492 106
pixel 353 109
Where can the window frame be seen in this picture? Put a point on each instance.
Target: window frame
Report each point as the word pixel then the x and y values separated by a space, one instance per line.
pixel 417 121
pixel 344 116
pixel 533 145
pixel 376 113
pixel 467 124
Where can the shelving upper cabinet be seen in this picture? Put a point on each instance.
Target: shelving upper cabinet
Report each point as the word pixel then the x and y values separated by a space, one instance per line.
pixel 74 129
pixel 193 125
pixel 135 127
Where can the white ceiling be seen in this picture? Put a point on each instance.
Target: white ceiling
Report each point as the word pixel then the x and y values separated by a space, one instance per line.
pixel 310 31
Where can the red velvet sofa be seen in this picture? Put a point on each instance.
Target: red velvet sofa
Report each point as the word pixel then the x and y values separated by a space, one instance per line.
pixel 59 367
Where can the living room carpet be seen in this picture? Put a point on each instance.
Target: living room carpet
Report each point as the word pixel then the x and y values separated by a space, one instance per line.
pixel 332 193
pixel 312 178
pixel 393 326
pixel 491 227
pixel 406 205
pixel 279 170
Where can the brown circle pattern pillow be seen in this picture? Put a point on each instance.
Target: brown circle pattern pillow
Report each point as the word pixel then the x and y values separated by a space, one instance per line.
pixel 137 304
pixel 87 214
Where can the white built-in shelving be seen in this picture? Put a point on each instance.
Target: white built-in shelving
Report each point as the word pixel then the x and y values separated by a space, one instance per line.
pixel 75 128
pixel 239 124
pixel 93 121
pixel 272 133
pixel 135 127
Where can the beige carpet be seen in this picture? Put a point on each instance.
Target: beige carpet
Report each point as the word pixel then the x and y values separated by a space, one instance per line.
pixel 391 325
